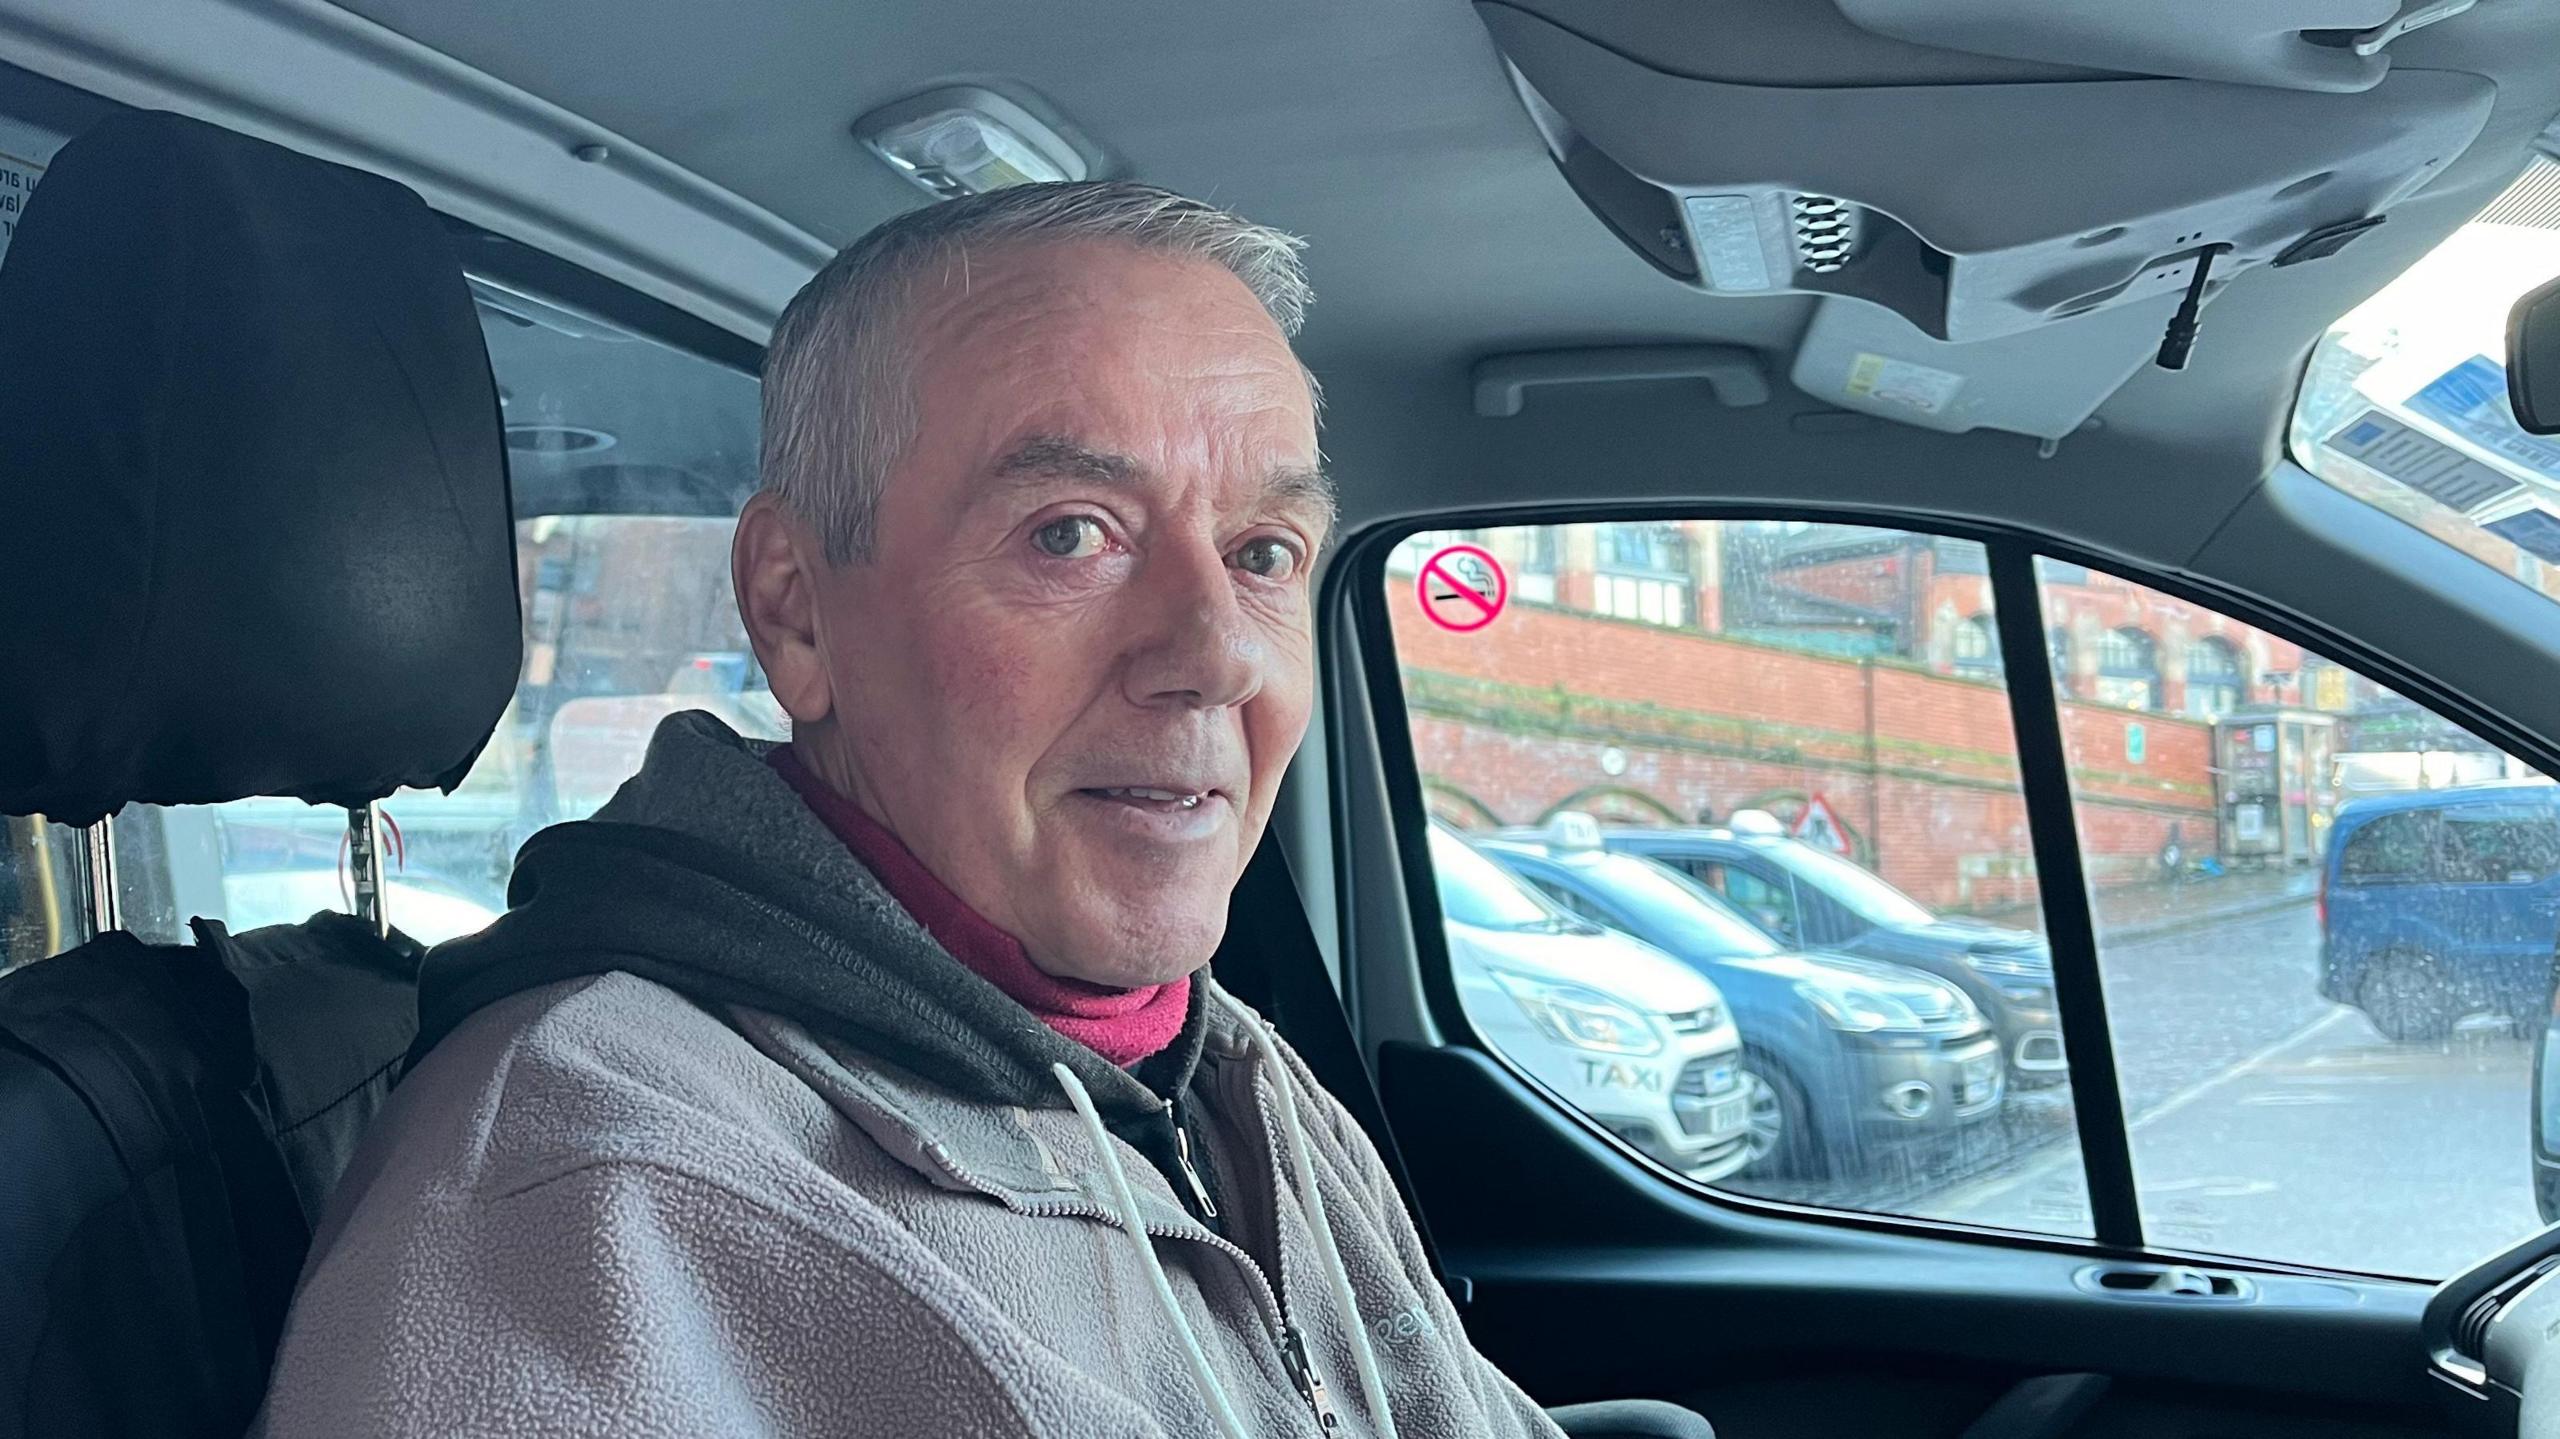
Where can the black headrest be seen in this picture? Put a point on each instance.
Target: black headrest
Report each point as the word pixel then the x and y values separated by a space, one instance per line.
pixel 254 526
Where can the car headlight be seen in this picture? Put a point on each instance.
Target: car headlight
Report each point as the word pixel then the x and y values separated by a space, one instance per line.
pixel 1583 1018
pixel 1846 1004
pixel 2025 991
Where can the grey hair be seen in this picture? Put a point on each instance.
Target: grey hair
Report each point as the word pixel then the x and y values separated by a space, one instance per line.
pixel 839 397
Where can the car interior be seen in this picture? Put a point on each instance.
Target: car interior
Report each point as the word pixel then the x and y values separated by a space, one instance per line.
pixel 2051 458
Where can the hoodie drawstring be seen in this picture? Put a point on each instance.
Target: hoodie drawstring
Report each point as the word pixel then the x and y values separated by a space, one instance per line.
pixel 1373 1384
pixel 1364 1358
pixel 1133 1224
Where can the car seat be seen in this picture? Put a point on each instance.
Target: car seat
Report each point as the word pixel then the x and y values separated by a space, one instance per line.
pixel 255 539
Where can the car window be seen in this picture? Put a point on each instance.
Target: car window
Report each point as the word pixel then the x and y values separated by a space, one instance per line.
pixel 1867 896
pixel 43 889
pixel 2314 981
pixel 2485 844
pixel 1605 680
pixel 1770 906
pixel 1668 903
pixel 2404 404
pixel 2392 849
pixel 628 460
pixel 1571 901
pixel 1475 891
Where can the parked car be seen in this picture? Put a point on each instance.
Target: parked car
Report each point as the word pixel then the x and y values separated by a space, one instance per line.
pixel 1616 1028
pixel 1810 898
pixel 2441 904
pixel 1840 1054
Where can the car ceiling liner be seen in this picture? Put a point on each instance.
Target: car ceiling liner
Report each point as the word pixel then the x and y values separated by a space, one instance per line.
pixel 1996 254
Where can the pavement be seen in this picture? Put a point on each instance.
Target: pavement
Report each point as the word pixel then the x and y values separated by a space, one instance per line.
pixel 2139 911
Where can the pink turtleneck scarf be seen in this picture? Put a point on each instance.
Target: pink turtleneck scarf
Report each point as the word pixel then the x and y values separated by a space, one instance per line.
pixel 1122 1025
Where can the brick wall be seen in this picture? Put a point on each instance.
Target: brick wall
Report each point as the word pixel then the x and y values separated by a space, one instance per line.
pixel 1519 719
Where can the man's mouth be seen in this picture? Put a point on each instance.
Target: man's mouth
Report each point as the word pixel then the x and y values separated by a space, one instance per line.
pixel 1165 801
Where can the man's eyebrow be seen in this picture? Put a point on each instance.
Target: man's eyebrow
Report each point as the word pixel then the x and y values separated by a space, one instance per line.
pixel 1306 487
pixel 1057 457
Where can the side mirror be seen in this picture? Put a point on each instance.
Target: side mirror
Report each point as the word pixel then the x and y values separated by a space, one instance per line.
pixel 2533 360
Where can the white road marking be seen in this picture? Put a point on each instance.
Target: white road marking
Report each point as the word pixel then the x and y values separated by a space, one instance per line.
pixel 1961 1204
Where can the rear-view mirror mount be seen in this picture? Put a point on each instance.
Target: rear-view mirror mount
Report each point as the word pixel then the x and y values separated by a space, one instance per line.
pixel 2533 360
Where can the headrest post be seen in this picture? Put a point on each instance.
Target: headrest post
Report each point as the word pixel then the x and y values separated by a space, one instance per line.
pixel 98 848
pixel 364 855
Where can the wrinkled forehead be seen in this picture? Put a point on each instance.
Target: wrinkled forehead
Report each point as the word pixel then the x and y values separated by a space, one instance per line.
pixel 1162 356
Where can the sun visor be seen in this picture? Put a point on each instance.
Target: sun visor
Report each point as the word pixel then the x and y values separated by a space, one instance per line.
pixel 1976 211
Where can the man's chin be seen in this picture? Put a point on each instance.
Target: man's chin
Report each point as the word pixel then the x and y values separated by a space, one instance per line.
pixel 1134 951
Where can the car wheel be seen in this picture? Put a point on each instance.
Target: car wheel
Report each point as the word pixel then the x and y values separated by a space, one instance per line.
pixel 2408 998
pixel 1783 1141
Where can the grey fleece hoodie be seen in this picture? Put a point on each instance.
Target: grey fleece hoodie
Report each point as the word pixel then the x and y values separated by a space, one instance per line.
pixel 714 1139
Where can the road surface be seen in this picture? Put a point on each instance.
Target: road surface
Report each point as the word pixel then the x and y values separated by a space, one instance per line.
pixel 2266 1122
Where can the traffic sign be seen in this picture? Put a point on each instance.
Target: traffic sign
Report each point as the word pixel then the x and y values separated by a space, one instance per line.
pixel 1819 827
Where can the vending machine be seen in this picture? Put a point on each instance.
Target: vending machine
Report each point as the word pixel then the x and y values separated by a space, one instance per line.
pixel 2277 790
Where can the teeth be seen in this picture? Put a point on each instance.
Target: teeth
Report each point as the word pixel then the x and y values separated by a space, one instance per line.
pixel 1161 796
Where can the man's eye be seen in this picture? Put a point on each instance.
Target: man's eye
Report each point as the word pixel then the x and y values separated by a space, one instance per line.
pixel 1073 537
pixel 1269 558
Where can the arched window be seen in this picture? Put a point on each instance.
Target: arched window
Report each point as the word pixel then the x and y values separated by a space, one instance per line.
pixel 1977 646
pixel 2213 678
pixel 2129 670
pixel 2057 642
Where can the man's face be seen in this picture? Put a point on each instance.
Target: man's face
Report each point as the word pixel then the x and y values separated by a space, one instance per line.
pixel 1080 656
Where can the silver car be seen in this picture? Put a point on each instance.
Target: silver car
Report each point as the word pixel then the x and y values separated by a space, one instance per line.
pixel 1621 1031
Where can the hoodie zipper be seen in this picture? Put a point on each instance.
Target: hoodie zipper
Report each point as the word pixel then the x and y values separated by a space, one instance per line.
pixel 1302 1369
pixel 1182 1159
pixel 1292 1344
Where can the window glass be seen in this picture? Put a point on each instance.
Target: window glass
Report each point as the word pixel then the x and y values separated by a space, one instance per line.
pixel 1792 708
pixel 2325 919
pixel 1976 645
pixel 1770 906
pixel 2393 849
pixel 2404 404
pixel 1476 892
pixel 1855 888
pixel 628 460
pixel 2489 844
pixel 2213 678
pixel 43 902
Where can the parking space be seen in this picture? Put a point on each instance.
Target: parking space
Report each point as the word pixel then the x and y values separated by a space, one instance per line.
pixel 2266 1121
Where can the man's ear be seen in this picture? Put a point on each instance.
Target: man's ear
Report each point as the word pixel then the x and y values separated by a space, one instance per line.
pixel 772 565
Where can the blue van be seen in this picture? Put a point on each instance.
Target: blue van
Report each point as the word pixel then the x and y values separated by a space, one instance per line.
pixel 2440 904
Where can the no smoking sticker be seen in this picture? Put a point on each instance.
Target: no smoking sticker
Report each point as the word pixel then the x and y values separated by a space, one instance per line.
pixel 1462 588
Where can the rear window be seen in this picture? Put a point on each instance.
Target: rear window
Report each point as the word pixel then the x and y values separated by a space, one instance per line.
pixel 628 460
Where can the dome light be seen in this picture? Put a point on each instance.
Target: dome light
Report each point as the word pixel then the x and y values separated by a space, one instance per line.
pixel 967 141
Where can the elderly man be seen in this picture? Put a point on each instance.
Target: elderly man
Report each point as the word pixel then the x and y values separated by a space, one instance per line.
pixel 873 1084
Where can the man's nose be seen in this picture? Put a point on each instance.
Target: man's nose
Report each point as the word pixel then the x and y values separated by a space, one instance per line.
pixel 1196 647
